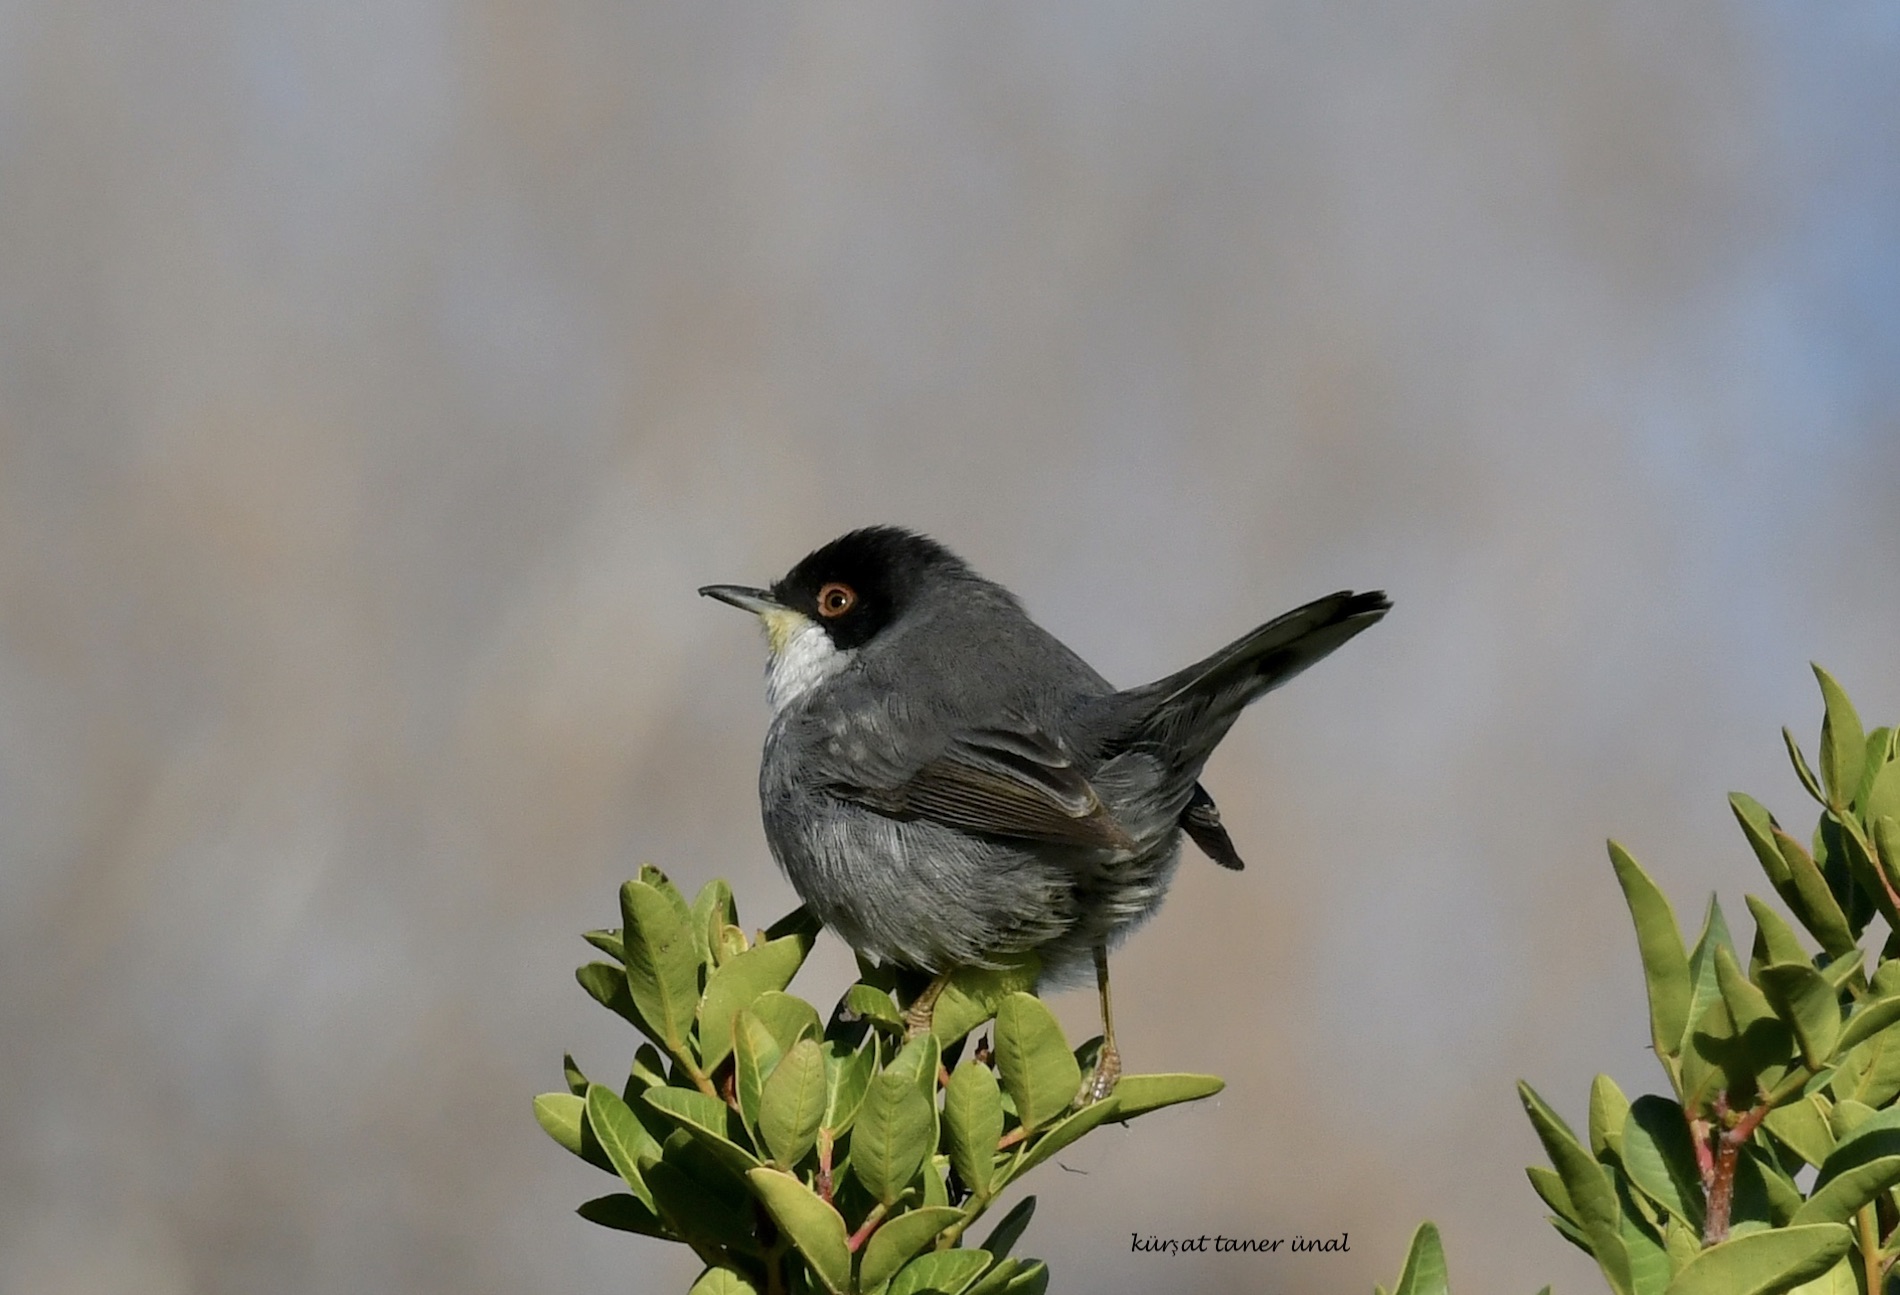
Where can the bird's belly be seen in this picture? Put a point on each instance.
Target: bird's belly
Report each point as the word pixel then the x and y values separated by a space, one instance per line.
pixel 928 896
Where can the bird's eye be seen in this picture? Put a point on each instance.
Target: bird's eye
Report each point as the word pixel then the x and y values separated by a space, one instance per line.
pixel 836 599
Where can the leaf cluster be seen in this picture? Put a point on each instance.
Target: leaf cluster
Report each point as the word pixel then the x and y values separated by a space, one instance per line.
pixel 1773 1163
pixel 796 1155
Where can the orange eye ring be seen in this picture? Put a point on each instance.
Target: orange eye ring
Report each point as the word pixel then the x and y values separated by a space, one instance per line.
pixel 836 599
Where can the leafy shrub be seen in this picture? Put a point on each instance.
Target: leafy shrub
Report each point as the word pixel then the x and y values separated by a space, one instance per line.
pixel 1772 1162
pixel 798 1157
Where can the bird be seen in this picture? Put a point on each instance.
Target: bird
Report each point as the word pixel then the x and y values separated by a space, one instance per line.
pixel 947 785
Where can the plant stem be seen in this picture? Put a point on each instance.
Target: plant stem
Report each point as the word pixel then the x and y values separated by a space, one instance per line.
pixel 1870 1264
pixel 863 1234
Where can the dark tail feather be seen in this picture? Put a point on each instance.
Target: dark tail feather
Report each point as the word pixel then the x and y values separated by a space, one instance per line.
pixel 1201 821
pixel 1191 710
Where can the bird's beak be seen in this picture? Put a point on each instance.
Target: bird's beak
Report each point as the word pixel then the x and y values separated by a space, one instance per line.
pixel 782 624
pixel 757 601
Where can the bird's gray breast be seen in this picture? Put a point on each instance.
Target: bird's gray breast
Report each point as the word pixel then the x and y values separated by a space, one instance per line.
pixel 907 891
pixel 913 890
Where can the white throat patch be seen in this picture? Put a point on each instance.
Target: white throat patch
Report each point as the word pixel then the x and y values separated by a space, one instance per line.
pixel 803 656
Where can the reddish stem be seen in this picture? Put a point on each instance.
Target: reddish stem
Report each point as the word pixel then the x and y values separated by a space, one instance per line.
pixel 863 1234
pixel 824 1164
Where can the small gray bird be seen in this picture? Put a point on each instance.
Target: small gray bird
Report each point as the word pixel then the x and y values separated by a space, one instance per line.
pixel 945 783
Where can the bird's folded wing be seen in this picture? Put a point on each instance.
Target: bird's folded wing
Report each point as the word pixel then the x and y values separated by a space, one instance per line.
pixel 1006 780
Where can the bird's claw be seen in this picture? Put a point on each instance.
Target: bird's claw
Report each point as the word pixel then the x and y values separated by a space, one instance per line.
pixel 1108 1069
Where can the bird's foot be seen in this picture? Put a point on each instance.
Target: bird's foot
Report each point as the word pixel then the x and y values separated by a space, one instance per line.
pixel 1108 1069
pixel 923 1008
pixel 917 1019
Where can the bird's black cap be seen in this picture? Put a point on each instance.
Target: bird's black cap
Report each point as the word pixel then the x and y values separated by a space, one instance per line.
pixel 862 581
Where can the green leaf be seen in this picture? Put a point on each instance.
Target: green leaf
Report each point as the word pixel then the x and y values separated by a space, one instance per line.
pixel 713 909
pixel 626 1214
pixel 1711 1059
pixel 700 1198
pixel 1649 1261
pixel 1802 997
pixel 1659 1157
pixel 1588 1185
pixel 816 1229
pixel 1759 1170
pixel 1886 833
pixel 973 1115
pixel 662 967
pixel 1004 1236
pixel 936 1190
pixel 892 1135
pixel 1659 939
pixel 1874 759
pixel 1758 825
pixel 1871 1017
pixel 728 942
pixel 1550 1187
pixel 793 1103
pixel 1813 901
pixel 996 1281
pixel 705 1118
pixel 919 1060
pixel 576 1081
pixel 1883 798
pixel 1764 1263
pixel 1139 1094
pixel 625 1140
pixel 1064 1132
pixel 973 994
pixel 1424 1272
pixel 1777 939
pixel 1703 988
pixel 609 943
pixel 1844 837
pixel 1681 1243
pixel 559 1115
pixel 940 1272
pixel 1801 770
pixel 723 1281
pixel 1847 1191
pixel 1762 1045
pixel 754 1057
pixel 737 984
pixel 606 984
pixel 1875 1137
pixel 648 1069
pixel 789 1017
pixel 1802 1127
pixel 897 1239
pixel 1838 1280
pixel 1848 1117
pixel 874 1005
pixel 1608 1109
pixel 1843 743
pixel 660 882
pixel 1031 1279
pixel 847 1074
pixel 1038 1070
pixel 1745 1001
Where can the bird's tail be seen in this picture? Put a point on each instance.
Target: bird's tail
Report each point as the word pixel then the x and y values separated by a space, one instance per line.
pixel 1187 713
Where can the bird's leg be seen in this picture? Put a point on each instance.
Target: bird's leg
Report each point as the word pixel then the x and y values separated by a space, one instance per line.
pixel 1108 1064
pixel 922 1008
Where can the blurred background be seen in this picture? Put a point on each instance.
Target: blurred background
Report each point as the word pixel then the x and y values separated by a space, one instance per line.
pixel 379 380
